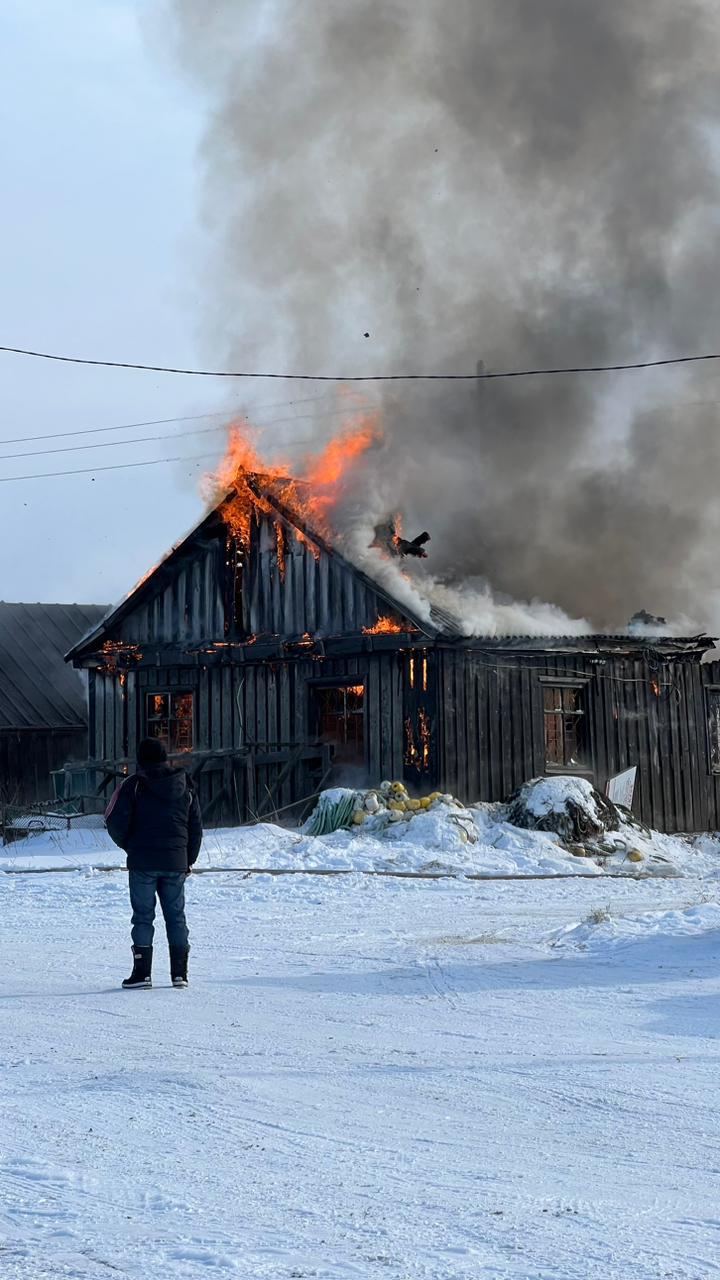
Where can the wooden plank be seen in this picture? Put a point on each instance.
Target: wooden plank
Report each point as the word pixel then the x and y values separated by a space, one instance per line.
pixel 216 709
pixel 311 575
pixel 518 770
pixel 494 735
pixel 323 606
pixel 529 766
pixel 699 764
pixel 298 587
pixel 182 604
pixel 505 678
pixel 226 716
pixel 197 618
pixel 464 743
pixel 203 709
pixel 483 745
pixel 391 687
pixel 686 813
pixel 284 722
pixel 251 722
pixel 167 631
pixel 273 734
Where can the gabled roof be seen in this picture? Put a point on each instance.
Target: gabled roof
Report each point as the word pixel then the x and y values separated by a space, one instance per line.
pixel 441 622
pixel 37 689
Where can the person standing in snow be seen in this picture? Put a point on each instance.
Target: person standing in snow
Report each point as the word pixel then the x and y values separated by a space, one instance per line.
pixel 154 816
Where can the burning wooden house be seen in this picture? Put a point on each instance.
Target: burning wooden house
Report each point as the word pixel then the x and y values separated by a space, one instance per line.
pixel 274 667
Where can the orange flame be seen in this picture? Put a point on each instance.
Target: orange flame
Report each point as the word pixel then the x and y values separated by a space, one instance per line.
pixel 385 625
pixel 311 495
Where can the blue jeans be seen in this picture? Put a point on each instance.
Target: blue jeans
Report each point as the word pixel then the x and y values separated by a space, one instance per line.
pixel 170 889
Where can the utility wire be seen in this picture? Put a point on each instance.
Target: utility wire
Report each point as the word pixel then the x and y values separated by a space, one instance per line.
pixel 179 435
pixel 108 444
pixel 369 377
pixel 228 414
pixel 123 426
pixel 118 466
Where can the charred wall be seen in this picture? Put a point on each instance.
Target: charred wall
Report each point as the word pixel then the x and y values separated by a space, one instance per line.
pixel 263 713
pixel 492 731
pixel 485 718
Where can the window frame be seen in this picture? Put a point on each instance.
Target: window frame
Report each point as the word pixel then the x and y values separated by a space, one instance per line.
pixel 315 685
pixel 580 684
pixel 171 693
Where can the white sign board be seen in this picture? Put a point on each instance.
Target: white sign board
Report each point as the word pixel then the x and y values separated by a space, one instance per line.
pixel 621 788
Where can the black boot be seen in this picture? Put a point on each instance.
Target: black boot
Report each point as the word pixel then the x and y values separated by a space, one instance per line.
pixel 178 966
pixel 142 967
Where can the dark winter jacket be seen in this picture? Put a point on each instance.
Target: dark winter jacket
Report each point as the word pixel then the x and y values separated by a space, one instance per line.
pixel 155 817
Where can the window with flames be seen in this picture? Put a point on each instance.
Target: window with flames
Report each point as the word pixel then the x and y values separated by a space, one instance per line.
pixel 340 718
pixel 170 717
pixel 565 721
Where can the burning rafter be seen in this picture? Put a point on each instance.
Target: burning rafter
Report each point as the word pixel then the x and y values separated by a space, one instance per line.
pixel 311 497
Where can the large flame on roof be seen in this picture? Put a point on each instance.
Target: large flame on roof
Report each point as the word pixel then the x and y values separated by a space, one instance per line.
pixel 310 492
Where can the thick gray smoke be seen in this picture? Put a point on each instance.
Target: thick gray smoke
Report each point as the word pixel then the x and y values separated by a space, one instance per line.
pixel 523 182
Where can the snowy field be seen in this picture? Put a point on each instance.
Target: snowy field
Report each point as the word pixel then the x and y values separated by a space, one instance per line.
pixel 368 1077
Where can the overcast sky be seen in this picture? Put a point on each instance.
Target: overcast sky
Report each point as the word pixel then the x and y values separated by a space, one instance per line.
pixel 100 255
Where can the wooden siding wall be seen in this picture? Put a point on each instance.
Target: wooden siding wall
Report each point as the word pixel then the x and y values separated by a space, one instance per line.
pixel 264 705
pixel 188 607
pixel 319 596
pixel 28 756
pixel 492 731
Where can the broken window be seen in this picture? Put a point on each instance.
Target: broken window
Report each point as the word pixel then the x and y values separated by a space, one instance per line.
pixel 713 723
pixel 565 722
pixel 169 716
pixel 340 718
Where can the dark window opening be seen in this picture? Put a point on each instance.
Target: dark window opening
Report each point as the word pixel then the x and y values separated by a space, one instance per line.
pixel 340 718
pixel 233 587
pixel 565 726
pixel 713 723
pixel 169 716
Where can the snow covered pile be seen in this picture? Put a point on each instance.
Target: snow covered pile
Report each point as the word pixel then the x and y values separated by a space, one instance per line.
pixel 603 929
pixel 571 807
pixel 388 811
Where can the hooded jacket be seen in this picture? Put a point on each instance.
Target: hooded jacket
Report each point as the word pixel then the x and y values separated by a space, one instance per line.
pixel 155 817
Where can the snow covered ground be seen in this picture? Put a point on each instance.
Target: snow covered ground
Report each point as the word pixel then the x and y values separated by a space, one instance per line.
pixel 368 1077
pixel 431 842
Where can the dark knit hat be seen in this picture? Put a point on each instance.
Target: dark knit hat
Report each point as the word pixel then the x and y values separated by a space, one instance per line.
pixel 151 751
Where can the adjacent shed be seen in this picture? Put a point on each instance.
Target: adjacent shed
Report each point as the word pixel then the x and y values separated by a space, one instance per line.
pixel 43 702
pixel 272 666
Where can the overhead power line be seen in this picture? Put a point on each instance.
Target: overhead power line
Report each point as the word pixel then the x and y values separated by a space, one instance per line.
pixel 178 435
pixel 109 444
pixel 364 377
pixel 123 426
pixel 118 466
pixel 230 415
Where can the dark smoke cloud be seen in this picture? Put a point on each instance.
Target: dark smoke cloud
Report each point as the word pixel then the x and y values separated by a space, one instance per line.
pixel 526 182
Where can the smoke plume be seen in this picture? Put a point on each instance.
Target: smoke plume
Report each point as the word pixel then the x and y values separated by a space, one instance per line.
pixel 416 186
